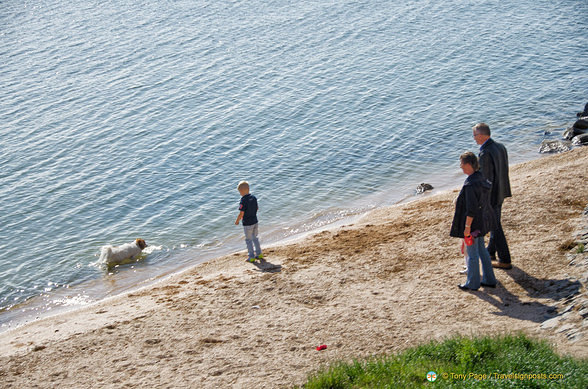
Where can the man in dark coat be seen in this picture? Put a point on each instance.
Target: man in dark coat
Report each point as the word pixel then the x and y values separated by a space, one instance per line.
pixel 494 166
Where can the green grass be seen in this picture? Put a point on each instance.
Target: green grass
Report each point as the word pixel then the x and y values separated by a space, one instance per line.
pixel 460 363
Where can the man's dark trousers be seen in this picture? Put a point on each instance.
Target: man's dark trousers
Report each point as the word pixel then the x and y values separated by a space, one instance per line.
pixel 497 241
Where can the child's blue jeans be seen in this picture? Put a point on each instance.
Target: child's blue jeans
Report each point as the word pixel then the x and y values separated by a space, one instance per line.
pixel 251 240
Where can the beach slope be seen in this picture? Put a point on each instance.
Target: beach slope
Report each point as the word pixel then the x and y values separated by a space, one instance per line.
pixel 386 283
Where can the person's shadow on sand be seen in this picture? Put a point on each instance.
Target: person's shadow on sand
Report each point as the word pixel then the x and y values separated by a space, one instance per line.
pixel 512 306
pixel 267 267
pixel 552 289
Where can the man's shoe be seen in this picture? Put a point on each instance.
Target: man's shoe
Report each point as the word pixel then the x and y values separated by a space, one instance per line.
pixel 502 265
pixel 488 285
pixel 463 287
pixel 250 260
pixel 260 256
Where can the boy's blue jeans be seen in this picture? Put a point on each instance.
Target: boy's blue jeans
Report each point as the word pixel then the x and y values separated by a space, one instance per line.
pixel 251 240
pixel 477 252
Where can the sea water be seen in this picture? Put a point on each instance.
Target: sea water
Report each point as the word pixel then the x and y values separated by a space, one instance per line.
pixel 121 120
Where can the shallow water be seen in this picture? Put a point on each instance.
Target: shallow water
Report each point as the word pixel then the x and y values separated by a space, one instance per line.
pixel 120 121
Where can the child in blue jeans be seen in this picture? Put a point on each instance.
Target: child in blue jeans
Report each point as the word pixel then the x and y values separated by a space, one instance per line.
pixel 248 213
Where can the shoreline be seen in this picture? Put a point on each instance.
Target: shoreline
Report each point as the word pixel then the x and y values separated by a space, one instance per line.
pixel 62 300
pixel 366 288
pixel 66 295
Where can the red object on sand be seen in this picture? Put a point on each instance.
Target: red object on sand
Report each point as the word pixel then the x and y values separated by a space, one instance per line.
pixel 321 347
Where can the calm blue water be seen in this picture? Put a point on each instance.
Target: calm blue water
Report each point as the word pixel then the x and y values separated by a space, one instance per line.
pixel 121 120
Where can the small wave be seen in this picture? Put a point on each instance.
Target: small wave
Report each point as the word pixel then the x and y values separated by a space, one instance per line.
pixel 73 301
pixel 152 248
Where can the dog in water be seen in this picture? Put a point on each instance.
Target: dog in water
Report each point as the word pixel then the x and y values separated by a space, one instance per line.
pixel 118 255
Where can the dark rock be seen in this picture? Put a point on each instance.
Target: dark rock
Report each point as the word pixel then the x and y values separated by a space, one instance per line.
pixel 572 132
pixel 555 146
pixel 580 140
pixel 581 124
pixel 422 188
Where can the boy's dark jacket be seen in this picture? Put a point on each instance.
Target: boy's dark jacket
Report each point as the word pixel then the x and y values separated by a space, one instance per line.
pixel 474 200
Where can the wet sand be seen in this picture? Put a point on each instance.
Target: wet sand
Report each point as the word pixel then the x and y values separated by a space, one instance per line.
pixel 383 284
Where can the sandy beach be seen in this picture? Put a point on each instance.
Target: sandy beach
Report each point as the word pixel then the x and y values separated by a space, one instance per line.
pixel 383 284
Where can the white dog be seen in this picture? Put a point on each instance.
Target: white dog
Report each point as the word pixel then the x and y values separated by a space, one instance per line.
pixel 118 255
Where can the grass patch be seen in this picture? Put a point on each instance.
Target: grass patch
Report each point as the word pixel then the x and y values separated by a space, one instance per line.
pixel 512 361
pixel 580 248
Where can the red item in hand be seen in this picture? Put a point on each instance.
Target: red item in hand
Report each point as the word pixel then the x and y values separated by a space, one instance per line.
pixel 321 347
pixel 469 240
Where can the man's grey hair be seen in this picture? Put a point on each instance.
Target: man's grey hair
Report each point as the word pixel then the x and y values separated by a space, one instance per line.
pixel 482 129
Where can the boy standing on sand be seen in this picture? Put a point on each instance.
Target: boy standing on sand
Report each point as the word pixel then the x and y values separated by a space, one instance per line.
pixel 248 213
